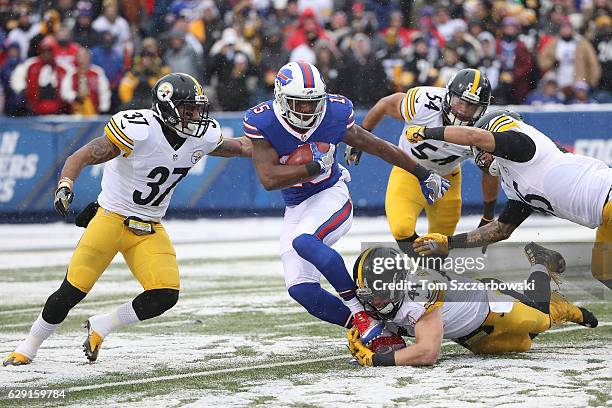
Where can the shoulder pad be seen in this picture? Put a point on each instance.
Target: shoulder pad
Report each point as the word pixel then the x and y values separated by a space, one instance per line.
pixel 408 105
pixel 494 120
pixel 213 134
pixel 341 108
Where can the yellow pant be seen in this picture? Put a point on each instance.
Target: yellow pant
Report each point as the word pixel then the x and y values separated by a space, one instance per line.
pixel 151 258
pixel 405 201
pixel 512 332
pixel 601 263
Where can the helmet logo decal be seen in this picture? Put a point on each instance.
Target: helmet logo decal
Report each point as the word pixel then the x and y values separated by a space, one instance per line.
pixel 284 76
pixel 165 91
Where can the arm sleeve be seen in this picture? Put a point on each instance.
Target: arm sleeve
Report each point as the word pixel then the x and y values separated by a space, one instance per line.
pixel 250 129
pixel 408 105
pixel 514 213
pixel 513 145
pixel 118 137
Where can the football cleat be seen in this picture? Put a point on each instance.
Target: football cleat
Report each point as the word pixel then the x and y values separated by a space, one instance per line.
pixel 552 260
pixel 92 344
pixel 588 318
pixel 368 328
pixel 16 359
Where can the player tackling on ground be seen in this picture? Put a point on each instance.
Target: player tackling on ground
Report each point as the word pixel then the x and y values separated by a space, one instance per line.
pixel 148 151
pixel 320 211
pixel 482 321
pixel 536 175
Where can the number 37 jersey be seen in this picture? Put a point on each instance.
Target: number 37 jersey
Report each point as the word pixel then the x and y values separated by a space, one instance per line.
pixel 423 106
pixel 140 181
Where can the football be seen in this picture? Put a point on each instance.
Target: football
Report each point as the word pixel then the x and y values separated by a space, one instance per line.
pixel 387 341
pixel 303 154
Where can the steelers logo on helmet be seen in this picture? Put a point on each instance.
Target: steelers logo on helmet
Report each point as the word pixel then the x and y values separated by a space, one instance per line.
pixel 300 95
pixel 180 103
pixel 380 280
pixel 467 97
pixel 165 91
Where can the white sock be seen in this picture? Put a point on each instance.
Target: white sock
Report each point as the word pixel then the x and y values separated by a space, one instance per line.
pixel 354 305
pixel 538 268
pixel 40 331
pixel 105 323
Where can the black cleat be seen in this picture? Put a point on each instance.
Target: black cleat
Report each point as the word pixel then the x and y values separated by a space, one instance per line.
pixel 588 318
pixel 552 260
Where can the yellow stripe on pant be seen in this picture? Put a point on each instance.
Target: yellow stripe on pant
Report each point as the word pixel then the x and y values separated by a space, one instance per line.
pixel 404 202
pixel 601 262
pixel 151 258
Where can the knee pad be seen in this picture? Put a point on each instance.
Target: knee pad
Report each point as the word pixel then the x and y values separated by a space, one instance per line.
pixel 60 302
pixel 307 294
pixel 154 302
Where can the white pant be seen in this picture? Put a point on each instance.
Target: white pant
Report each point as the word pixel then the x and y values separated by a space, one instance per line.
pixel 328 215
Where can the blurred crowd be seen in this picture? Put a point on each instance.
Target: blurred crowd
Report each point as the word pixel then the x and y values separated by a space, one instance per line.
pixel 89 57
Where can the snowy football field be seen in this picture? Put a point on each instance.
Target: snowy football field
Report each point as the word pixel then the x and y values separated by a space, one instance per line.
pixel 236 338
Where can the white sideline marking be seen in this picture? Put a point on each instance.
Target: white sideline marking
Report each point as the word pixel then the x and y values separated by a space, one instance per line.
pixel 256 367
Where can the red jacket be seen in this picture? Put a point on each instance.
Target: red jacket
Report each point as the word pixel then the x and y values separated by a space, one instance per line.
pixel 42 85
pixel 95 86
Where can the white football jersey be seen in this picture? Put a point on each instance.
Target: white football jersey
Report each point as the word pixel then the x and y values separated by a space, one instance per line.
pixel 463 311
pixel 140 182
pixel 423 106
pixel 565 185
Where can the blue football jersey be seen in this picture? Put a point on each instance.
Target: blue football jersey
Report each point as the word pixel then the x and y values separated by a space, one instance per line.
pixel 264 122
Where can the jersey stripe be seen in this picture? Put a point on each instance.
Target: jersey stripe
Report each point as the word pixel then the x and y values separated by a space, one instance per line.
pixel 476 81
pixel 507 126
pixel 307 74
pixel 431 306
pixel 497 122
pixel 120 132
pixel 409 110
pixel 251 131
pixel 351 120
pixel 122 146
pixel 505 123
pixel 412 99
pixel 118 137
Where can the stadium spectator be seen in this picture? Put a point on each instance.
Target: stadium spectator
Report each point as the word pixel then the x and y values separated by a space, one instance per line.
pixel 48 27
pixel 111 62
pixel 307 30
pixel 419 67
pixel 517 65
pixel 41 80
pixel 14 104
pixel 546 93
pixel 111 21
pixel 64 48
pixel 582 94
pixel 444 24
pixel 489 64
pixel 181 57
pixel 467 47
pixel 340 32
pixel 90 85
pixel 602 43
pixel 273 55
pixel 368 81
pixel 572 57
pixel 230 42
pixel 232 72
pixel 448 65
pixel 209 27
pixel 135 86
pixel 82 32
pixel 23 33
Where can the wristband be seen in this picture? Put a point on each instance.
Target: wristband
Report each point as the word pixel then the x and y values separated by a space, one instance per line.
pixel 65 182
pixel 420 172
pixel 313 168
pixel 457 241
pixel 489 210
pixel 383 359
pixel 436 133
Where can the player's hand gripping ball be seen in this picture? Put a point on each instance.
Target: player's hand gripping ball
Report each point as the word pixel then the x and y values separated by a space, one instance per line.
pixel 317 151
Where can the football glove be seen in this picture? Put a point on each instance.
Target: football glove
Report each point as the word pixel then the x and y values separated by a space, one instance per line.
pixel 63 198
pixel 415 133
pixel 358 350
pixel 434 187
pixel 431 244
pixel 352 155
pixel 325 160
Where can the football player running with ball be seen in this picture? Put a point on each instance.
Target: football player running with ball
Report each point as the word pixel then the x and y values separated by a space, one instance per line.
pixel 462 102
pixel 318 211
pixel 147 152
pixel 536 176
pixel 462 309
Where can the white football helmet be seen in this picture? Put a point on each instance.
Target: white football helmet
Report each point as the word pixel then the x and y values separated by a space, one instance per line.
pixel 299 93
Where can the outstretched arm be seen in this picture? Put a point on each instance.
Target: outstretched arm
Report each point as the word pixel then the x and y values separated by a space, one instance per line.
pixel 389 105
pixel 99 150
pixel 236 147
pixel 428 332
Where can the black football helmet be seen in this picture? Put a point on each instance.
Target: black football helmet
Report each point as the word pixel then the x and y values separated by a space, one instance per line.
pixel 180 103
pixel 379 287
pixel 467 98
pixel 485 161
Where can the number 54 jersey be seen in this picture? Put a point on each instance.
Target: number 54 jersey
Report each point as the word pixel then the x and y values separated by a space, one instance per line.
pixel 423 106
pixel 140 182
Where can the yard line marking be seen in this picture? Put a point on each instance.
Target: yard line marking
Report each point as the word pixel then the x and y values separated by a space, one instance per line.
pixel 254 367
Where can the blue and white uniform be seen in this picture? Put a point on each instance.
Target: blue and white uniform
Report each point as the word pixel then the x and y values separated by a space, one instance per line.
pixel 322 207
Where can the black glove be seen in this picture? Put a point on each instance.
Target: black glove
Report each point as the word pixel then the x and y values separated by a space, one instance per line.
pixel 352 155
pixel 63 198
